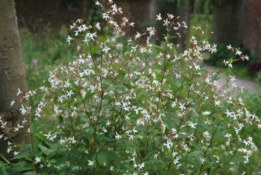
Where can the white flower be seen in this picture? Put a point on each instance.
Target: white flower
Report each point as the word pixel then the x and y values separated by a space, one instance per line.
pixel 206 112
pixel 141 166
pixel 229 47
pixel 37 159
pixel 19 92
pixel 238 52
pixel 111 168
pixel 202 160
pixel 170 16
pixel 159 18
pixel 91 163
pixel 134 130
pixel 131 137
pixel 138 35
pixel 48 135
pixel 16 153
pixel 69 93
pixel 192 125
pixel 197 67
pixel 132 24
pixel 106 49
pixel 69 39
pixel 227 135
pixel 105 16
pixel 23 110
pixel 108 123
pixel 217 102
pixel 182 106
pixel 12 103
pixel 118 136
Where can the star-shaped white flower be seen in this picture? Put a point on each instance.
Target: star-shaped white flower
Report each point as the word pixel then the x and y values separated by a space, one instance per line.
pixel 159 18
pixel 37 159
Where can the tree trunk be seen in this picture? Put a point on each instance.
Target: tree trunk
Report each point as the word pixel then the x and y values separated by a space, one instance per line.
pixel 155 7
pixel 227 21
pixel 184 13
pixel 12 73
pixel 191 6
pixel 251 26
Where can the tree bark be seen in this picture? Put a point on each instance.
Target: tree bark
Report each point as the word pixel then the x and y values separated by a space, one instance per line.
pixel 251 26
pixel 227 22
pixel 12 73
pixel 184 13
pixel 155 7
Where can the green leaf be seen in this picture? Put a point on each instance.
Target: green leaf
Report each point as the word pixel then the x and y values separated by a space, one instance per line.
pixel 90 132
pixel 43 127
pixel 24 155
pixel 3 171
pixel 219 136
pixel 21 166
pixel 196 145
pixel 29 173
pixel 178 69
pixel 205 126
pixel 33 126
pixel 106 81
pixel 195 153
pixel 44 149
pixel 89 95
pixel 158 47
pixel 102 158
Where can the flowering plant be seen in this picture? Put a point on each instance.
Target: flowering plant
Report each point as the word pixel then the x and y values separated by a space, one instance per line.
pixel 136 109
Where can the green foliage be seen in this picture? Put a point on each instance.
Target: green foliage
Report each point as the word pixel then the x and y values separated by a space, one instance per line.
pixel 203 6
pixel 252 102
pixel 217 59
pixel 42 52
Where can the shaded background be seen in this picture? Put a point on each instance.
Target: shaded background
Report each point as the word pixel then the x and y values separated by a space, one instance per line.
pixel 236 22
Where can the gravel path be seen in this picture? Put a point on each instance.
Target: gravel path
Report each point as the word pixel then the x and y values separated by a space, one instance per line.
pixel 250 86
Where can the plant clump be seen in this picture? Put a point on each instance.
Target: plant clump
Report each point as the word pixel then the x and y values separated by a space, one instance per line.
pixel 139 108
